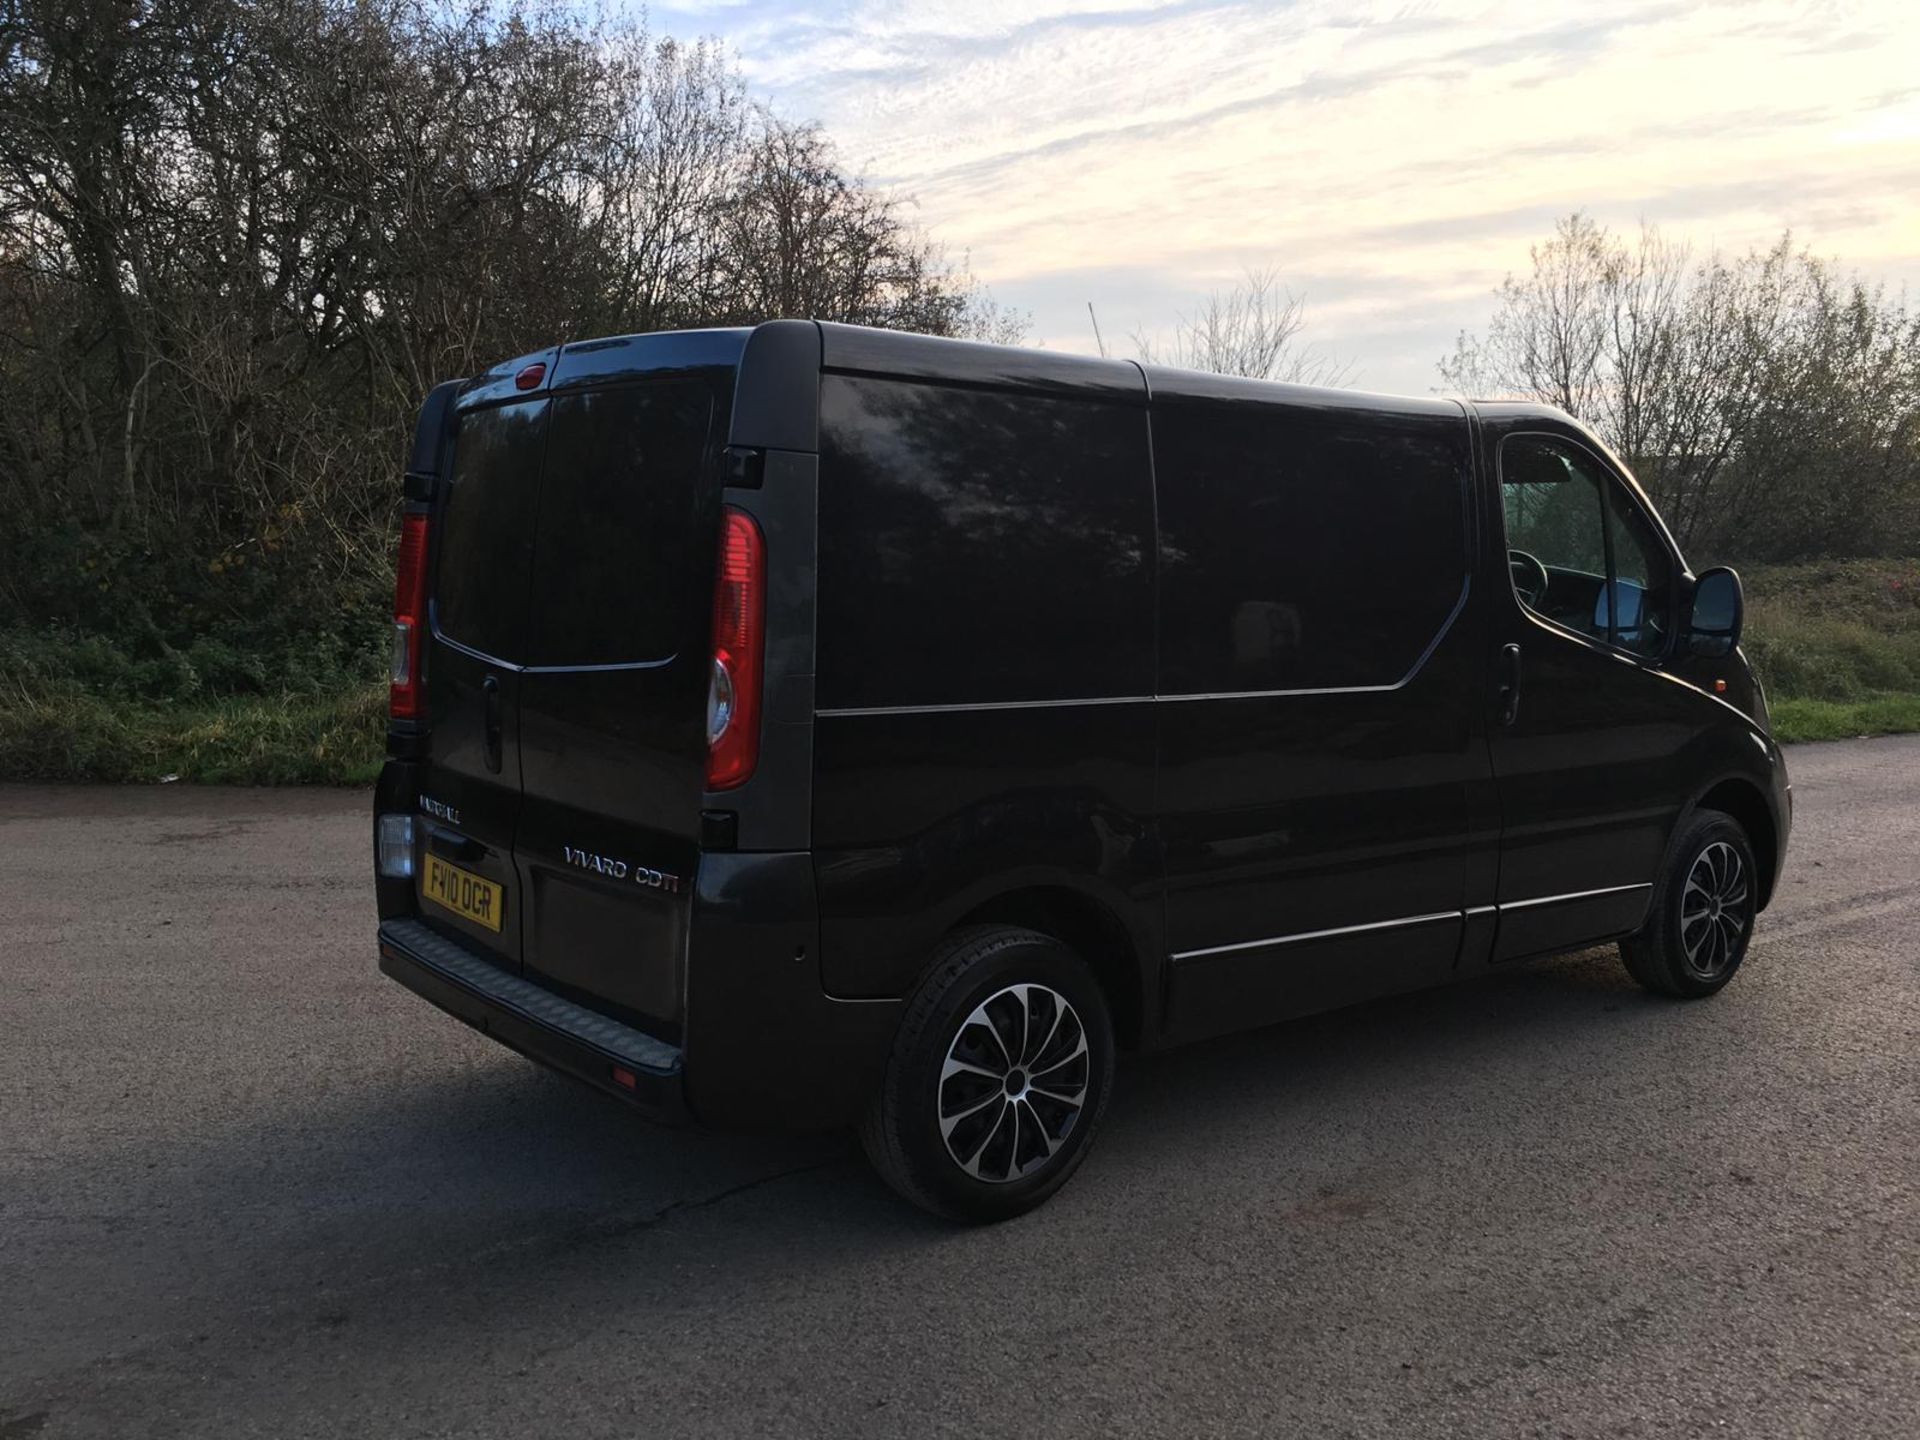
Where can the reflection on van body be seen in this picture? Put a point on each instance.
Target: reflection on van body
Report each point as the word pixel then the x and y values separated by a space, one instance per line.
pixel 1070 707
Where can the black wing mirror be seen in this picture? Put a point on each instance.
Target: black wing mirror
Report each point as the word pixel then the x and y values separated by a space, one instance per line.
pixel 1719 608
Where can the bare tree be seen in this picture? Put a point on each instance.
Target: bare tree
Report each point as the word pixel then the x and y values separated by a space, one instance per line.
pixel 1253 329
pixel 1707 375
pixel 240 240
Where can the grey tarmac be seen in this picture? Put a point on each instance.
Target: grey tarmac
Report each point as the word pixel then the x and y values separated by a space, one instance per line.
pixel 248 1187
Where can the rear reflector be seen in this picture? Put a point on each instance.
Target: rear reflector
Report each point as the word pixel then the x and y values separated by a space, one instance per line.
pixel 625 1078
pixel 406 697
pixel 739 623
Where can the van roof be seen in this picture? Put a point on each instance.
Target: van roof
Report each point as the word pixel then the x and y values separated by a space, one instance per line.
pixel 607 360
pixel 864 350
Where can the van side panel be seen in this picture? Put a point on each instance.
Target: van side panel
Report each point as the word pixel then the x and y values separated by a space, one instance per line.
pixel 985 664
pixel 920 819
pixel 1322 700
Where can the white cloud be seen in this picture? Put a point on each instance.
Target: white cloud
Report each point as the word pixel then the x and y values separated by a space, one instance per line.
pixel 1395 159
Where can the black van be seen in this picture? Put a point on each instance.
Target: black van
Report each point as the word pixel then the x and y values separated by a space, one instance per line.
pixel 808 725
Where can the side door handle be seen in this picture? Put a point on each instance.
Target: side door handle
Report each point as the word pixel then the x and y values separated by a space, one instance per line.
pixel 1507 684
pixel 490 690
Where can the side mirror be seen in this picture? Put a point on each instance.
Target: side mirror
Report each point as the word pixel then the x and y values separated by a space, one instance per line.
pixel 1719 608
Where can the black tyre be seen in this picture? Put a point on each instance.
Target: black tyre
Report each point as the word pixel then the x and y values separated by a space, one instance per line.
pixel 1702 914
pixel 998 1077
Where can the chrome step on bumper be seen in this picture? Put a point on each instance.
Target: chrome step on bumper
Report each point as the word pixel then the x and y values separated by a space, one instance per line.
pixel 626 1063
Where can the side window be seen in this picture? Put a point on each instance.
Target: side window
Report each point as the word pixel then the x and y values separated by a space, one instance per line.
pixel 978 546
pixel 1642 577
pixel 1581 553
pixel 1306 551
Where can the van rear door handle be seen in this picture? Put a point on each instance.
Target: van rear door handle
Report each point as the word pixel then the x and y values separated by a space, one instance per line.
pixel 490 689
pixel 1508 684
pixel 448 842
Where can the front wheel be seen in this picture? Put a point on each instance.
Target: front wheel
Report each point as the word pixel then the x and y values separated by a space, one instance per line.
pixel 998 1077
pixel 1703 909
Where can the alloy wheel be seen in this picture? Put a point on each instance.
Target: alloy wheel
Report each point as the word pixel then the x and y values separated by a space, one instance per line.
pixel 1013 1084
pixel 1715 910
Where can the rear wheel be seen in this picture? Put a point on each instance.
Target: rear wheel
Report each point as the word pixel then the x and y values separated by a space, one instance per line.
pixel 997 1080
pixel 1702 914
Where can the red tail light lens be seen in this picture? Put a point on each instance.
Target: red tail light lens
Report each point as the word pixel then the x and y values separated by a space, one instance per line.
pixel 406 696
pixel 739 634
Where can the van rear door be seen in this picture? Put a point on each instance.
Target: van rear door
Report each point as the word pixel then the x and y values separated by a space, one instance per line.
pixel 612 700
pixel 470 776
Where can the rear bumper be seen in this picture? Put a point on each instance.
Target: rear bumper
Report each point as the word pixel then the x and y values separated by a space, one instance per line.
pixel 764 1047
pixel 536 1022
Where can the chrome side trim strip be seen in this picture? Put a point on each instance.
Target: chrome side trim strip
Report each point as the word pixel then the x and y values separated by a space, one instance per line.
pixel 1277 940
pixel 985 705
pixel 1576 895
pixel 1187 697
pixel 1460 604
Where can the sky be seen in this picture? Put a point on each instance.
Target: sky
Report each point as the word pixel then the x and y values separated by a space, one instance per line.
pixel 1392 161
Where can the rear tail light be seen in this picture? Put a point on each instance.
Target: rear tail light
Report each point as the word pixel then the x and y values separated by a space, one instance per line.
pixel 739 624
pixel 406 697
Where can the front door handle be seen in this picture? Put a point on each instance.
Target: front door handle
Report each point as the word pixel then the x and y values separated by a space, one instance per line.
pixel 1507 685
pixel 490 690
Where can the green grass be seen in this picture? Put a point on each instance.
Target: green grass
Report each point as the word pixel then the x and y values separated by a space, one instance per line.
pixel 1841 630
pixel 1837 644
pixel 244 740
pixel 1795 719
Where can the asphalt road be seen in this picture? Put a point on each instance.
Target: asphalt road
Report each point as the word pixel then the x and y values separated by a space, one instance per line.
pixel 248 1187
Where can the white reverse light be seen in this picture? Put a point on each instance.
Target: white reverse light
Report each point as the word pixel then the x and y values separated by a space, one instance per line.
pixel 393 846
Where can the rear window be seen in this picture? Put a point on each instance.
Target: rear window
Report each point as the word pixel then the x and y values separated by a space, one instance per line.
pixel 485 540
pixel 980 547
pixel 573 528
pixel 1305 551
pixel 626 525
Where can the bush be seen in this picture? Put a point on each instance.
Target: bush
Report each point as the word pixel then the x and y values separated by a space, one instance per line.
pixel 1835 630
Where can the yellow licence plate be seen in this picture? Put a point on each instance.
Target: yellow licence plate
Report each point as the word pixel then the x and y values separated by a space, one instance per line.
pixel 463 892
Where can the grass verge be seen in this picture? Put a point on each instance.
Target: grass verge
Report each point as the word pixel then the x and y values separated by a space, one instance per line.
pixel 251 740
pixel 1838 644
pixel 1800 719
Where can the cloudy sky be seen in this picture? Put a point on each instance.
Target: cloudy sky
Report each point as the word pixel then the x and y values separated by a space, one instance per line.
pixel 1393 160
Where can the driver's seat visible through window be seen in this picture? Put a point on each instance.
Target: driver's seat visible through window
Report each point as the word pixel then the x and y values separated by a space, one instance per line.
pixel 1580 552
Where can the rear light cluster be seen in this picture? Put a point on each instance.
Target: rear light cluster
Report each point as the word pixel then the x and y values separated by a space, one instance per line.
pixel 739 636
pixel 406 697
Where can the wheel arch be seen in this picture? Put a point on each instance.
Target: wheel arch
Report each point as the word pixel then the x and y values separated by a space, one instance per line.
pixel 1092 930
pixel 1746 803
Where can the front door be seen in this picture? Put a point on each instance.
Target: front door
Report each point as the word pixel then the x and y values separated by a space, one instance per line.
pixel 1588 734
